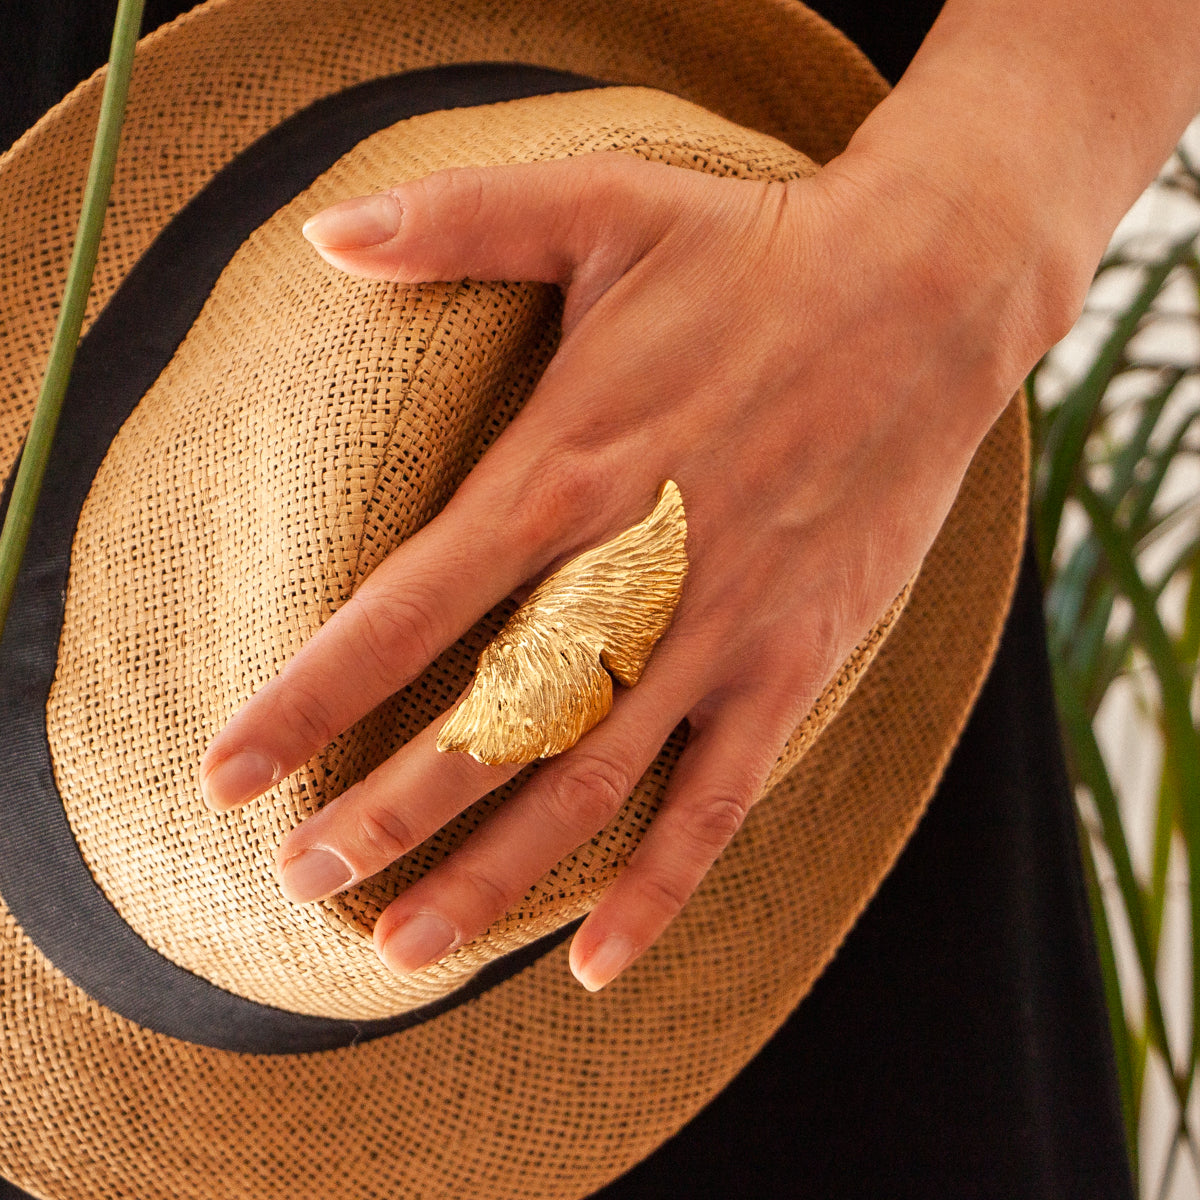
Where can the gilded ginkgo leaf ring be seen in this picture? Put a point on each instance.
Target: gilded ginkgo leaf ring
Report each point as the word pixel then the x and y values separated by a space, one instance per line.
pixel 547 676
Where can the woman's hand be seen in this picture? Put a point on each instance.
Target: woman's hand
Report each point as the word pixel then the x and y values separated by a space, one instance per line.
pixel 813 363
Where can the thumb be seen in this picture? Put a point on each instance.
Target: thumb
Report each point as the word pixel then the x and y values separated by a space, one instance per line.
pixel 549 222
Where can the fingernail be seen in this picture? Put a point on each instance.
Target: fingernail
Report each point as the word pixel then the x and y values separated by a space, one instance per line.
pixel 240 777
pixel 606 962
pixel 418 941
pixel 355 224
pixel 313 874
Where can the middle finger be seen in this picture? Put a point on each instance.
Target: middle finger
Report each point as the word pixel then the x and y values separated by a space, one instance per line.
pixel 384 816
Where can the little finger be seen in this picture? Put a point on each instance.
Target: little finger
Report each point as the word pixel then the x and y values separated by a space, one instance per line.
pixel 717 781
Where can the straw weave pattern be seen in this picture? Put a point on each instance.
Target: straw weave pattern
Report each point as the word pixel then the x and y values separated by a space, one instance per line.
pixel 535 1089
pixel 245 505
pixel 195 102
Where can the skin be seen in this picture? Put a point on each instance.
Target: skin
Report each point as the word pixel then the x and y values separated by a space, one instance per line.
pixel 813 363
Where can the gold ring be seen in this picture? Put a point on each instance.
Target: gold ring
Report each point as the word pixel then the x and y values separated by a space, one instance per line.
pixel 544 680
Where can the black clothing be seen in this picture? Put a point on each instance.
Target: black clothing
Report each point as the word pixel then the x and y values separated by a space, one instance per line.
pixel 958 1045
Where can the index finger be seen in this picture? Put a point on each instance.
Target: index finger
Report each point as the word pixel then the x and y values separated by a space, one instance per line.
pixel 422 597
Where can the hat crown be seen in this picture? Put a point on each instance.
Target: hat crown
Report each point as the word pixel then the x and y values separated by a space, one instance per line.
pixel 307 425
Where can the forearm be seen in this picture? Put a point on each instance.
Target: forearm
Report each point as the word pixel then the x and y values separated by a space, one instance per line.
pixel 1084 99
pixel 1017 139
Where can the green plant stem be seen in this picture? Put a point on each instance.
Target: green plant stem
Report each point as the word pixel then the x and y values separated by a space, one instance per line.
pixel 1189 642
pixel 1090 765
pixel 1165 820
pixel 1177 1142
pixel 28 483
pixel 1168 1171
pixel 1177 719
pixel 1112 456
pixel 1067 434
pixel 1129 1058
pixel 1189 167
pixel 1137 447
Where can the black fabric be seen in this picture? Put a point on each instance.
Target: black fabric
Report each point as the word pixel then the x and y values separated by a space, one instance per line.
pixel 48 46
pixel 888 32
pixel 44 880
pixel 958 1045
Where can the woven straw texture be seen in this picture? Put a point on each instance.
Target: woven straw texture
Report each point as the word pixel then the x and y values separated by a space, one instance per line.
pixel 535 1089
pixel 222 76
pixel 247 504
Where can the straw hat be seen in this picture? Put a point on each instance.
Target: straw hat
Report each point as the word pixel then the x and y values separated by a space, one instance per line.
pixel 248 434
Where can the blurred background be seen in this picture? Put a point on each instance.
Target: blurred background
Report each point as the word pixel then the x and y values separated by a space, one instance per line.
pixel 1116 411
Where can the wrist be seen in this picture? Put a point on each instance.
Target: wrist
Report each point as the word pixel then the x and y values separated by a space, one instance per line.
pixel 962 242
pixel 986 209
pixel 1022 133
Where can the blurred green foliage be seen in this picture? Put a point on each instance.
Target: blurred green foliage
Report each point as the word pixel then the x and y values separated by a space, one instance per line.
pixel 1120 543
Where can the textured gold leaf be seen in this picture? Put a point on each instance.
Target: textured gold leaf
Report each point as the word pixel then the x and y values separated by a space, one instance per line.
pixel 541 684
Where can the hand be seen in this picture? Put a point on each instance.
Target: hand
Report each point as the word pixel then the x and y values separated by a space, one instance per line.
pixel 813 363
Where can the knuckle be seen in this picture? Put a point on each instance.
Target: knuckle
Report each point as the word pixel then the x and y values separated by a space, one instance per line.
pixel 700 834
pixel 711 826
pixel 586 796
pixel 565 491
pixel 490 897
pixel 457 189
pixel 392 633
pixel 813 656
pixel 662 895
pixel 607 186
pixel 307 718
pixel 558 502
pixel 451 198
pixel 382 835
pixel 584 191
